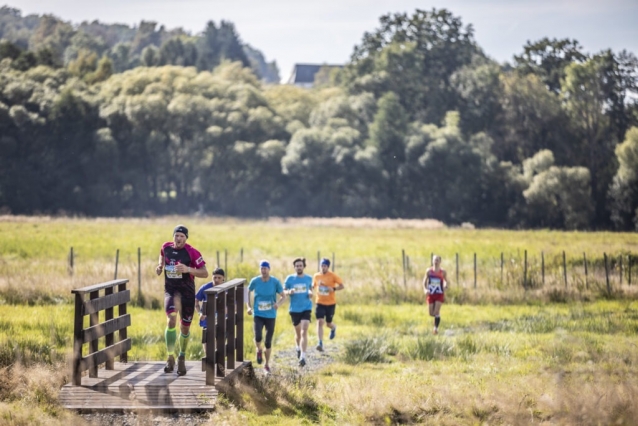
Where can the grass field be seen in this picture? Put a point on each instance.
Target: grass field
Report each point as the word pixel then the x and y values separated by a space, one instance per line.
pixel 505 355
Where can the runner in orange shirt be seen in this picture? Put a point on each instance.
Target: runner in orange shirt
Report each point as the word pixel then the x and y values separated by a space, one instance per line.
pixel 326 284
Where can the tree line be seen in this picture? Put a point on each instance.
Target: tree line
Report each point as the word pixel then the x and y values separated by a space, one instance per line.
pixel 420 123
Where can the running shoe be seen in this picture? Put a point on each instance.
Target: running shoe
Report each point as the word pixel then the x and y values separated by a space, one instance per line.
pixel 319 347
pixel 298 353
pixel 436 331
pixel 259 357
pixel 181 365
pixel 333 333
pixel 170 364
pixel 302 362
pixel 267 369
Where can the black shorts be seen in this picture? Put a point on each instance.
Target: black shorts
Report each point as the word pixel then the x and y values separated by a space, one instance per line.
pixel 258 326
pixel 325 311
pixel 180 298
pixel 298 316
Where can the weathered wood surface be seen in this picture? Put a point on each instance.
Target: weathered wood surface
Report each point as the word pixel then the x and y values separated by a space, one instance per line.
pixel 145 386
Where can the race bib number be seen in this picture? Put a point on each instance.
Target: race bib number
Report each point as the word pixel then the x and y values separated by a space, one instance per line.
pixel 324 291
pixel 264 306
pixel 171 273
pixel 435 285
pixel 300 288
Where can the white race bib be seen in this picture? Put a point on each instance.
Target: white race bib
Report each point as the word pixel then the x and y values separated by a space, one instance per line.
pixel 300 288
pixel 171 273
pixel 324 291
pixel 435 285
pixel 264 306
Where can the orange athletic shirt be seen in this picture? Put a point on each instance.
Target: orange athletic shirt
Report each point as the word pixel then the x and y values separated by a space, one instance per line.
pixel 320 282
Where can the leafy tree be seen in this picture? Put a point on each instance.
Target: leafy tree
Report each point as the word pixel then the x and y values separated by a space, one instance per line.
pixel 623 192
pixel 557 197
pixel 548 59
pixel 414 56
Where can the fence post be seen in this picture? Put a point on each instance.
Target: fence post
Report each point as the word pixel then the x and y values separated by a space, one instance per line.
pixel 241 255
pixel 218 264
pixel 318 261
pixel 71 262
pixel 457 268
pixel 607 274
pixel 502 262
pixel 620 266
pixel 565 269
pixel 225 260
pixel 525 272
pixel 139 273
pixel 333 262
pixel 117 261
pixel 629 269
pixel 586 277
pixel 475 270
pixel 405 283
pixel 543 267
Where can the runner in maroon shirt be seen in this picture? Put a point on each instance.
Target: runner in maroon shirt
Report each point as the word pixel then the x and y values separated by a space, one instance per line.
pixel 181 264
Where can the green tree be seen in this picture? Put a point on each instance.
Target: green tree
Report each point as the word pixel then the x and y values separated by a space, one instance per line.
pixel 548 59
pixel 414 56
pixel 623 192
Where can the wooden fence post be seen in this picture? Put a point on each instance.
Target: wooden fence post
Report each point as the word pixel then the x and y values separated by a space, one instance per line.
pixel 218 263
pixel 543 267
pixel 405 282
pixel 565 269
pixel 117 261
pixel 502 264
pixel 318 261
pixel 525 272
pixel 586 277
pixel 225 260
pixel 71 261
pixel 620 266
pixel 607 274
pixel 139 273
pixel 475 270
pixel 457 268
pixel 629 269
pixel 241 255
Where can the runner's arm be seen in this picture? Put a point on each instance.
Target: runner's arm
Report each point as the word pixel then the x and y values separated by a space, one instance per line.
pixel 249 308
pixel 160 265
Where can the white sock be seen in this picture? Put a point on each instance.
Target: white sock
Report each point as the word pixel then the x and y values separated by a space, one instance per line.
pixel 303 355
pixel 297 348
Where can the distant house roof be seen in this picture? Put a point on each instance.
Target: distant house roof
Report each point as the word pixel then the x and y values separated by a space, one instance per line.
pixel 304 74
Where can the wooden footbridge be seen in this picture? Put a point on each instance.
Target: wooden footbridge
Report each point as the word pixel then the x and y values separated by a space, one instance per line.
pixel 143 385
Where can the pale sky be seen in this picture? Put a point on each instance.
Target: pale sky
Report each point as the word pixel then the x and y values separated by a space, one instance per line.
pixel 305 31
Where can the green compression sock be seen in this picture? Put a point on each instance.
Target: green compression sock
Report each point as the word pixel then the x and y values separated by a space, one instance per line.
pixel 170 335
pixel 183 342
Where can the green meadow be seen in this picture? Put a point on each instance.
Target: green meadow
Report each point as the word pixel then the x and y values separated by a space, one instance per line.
pixel 547 354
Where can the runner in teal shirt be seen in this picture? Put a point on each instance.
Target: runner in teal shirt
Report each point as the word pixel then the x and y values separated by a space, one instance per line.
pixel 299 288
pixel 265 289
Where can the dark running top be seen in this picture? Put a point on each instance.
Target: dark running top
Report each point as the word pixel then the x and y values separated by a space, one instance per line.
pixel 187 255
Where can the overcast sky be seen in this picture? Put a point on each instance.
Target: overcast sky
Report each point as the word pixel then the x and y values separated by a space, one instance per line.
pixel 305 31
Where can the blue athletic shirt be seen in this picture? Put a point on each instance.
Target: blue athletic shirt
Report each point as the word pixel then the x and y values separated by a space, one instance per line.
pixel 299 300
pixel 201 296
pixel 265 296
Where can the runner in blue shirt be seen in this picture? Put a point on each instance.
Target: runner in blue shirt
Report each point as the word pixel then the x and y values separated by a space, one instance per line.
pixel 219 276
pixel 266 289
pixel 299 287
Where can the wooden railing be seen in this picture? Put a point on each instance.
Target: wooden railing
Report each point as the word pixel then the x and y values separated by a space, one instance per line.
pixel 97 330
pixel 224 339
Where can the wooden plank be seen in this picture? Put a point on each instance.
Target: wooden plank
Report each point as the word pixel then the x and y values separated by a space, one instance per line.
pixel 99 286
pixel 145 386
pixel 107 327
pixel 226 286
pixel 103 355
pixel 78 326
pixel 108 315
pixel 121 310
pixel 97 305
